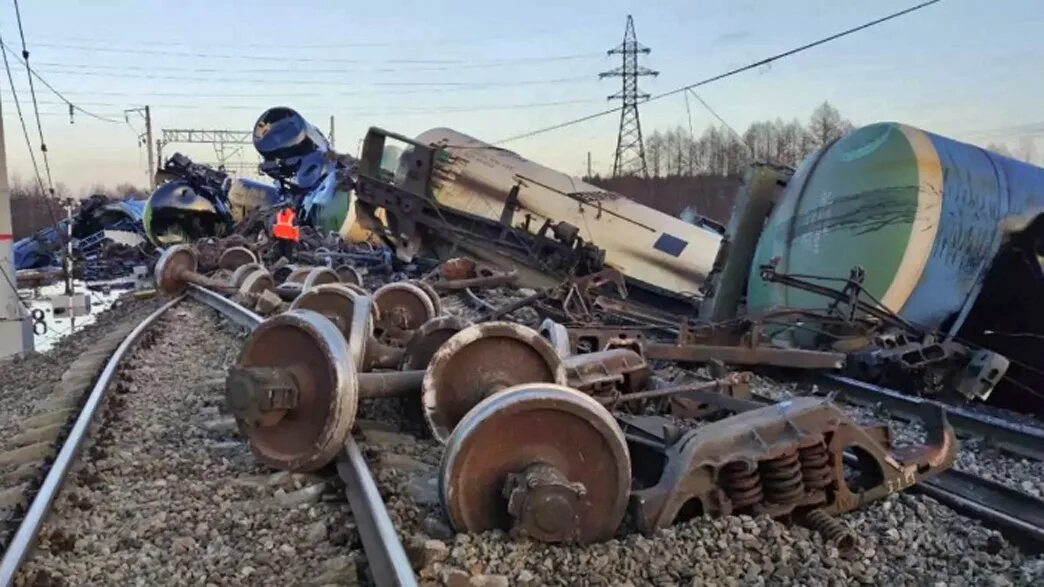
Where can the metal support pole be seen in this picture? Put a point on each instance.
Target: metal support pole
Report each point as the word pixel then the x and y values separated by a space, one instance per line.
pixel 148 147
pixel 16 333
pixel 70 288
pixel 331 131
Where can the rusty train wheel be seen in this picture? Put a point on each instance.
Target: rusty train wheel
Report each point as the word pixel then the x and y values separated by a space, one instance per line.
pixel 433 295
pixel 340 306
pixel 240 274
pixel 375 312
pixel 403 308
pixel 174 261
pixel 311 434
pixel 256 282
pixel 557 335
pixel 234 257
pixel 480 361
pixel 428 339
pixel 514 434
pixel 349 274
pixel 417 355
pixel 320 276
pixel 297 273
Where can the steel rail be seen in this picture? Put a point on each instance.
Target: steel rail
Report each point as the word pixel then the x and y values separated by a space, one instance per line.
pixel 1024 440
pixel 25 537
pixel 385 554
pixel 228 308
pixel 390 566
pixel 998 505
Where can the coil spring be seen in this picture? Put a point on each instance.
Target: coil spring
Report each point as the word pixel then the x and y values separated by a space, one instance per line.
pixel 815 466
pixel 781 477
pixel 833 531
pixel 741 484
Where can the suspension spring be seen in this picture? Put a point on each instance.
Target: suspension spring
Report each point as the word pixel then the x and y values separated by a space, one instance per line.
pixel 782 479
pixel 815 466
pixel 833 531
pixel 742 484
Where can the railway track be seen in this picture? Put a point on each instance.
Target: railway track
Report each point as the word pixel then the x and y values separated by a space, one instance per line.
pixel 1021 439
pixel 996 505
pixel 20 544
pixel 384 551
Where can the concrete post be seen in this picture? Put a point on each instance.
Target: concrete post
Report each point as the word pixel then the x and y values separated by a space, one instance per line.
pixel 16 334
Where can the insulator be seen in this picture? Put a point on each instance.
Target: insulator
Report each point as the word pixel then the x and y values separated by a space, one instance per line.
pixel 742 484
pixel 815 466
pixel 781 478
pixel 833 531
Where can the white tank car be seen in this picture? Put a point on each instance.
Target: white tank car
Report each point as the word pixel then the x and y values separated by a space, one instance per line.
pixel 643 243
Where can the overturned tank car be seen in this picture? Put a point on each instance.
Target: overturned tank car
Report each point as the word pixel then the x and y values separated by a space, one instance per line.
pixel 915 254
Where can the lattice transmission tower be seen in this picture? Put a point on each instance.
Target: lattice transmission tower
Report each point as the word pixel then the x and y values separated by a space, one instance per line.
pixel 630 150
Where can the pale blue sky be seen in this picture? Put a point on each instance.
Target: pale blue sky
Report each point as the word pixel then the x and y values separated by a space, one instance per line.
pixel 964 68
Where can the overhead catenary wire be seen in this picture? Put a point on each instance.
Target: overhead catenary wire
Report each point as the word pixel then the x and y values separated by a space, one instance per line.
pixel 61 96
pixel 394 67
pixel 455 63
pixel 738 136
pixel 32 94
pixel 728 73
pixel 311 81
pixel 21 120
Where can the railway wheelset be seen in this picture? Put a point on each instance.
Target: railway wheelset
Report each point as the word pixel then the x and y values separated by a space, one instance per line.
pixel 530 444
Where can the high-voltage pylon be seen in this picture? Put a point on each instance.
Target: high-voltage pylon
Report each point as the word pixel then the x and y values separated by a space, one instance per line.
pixel 630 150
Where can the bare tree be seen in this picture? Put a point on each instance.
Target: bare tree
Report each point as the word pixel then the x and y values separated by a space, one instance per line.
pixel 718 151
pixel 826 124
pixel 654 148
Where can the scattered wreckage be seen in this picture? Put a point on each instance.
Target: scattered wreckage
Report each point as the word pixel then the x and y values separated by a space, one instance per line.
pixel 890 252
pixel 552 444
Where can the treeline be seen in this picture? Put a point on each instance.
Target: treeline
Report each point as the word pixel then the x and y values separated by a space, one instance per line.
pixel 719 151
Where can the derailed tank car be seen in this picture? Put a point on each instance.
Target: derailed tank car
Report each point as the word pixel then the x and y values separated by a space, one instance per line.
pixel 496 188
pixel 943 235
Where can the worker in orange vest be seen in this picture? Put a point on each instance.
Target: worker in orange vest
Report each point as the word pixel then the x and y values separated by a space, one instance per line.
pixel 285 232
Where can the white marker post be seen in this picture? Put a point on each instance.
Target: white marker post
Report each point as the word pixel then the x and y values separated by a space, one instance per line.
pixel 16 334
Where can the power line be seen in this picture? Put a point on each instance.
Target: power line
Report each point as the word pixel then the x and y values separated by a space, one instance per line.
pixel 32 93
pixel 419 110
pixel 688 114
pixel 527 36
pixel 21 120
pixel 54 91
pixel 738 136
pixel 321 82
pixel 455 63
pixel 729 73
pixel 493 63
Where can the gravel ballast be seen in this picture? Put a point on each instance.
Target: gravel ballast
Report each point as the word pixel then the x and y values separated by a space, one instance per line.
pixel 25 379
pixel 905 539
pixel 168 493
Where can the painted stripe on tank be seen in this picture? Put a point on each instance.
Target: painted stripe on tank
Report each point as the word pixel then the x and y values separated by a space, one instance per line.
pixel 925 224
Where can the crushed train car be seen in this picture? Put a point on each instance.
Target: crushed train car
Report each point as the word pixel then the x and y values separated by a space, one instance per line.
pixel 190 203
pixel 311 177
pixel 98 219
pixel 447 192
